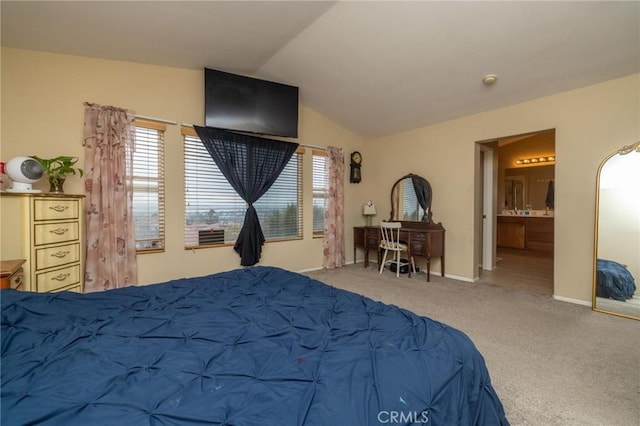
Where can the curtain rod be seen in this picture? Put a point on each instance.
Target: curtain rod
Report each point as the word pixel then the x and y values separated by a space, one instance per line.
pixel 324 148
pixel 160 120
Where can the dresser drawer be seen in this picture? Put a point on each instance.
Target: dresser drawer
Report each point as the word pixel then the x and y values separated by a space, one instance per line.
pixel 417 241
pixel 44 209
pixel 15 281
pixel 372 238
pixel 55 280
pixel 358 236
pixel 60 232
pixel 50 257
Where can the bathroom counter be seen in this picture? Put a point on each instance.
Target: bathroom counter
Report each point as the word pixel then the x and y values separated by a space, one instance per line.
pixel 532 213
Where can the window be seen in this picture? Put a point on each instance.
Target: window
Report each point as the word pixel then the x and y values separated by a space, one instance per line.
pixel 148 185
pixel 320 190
pixel 214 212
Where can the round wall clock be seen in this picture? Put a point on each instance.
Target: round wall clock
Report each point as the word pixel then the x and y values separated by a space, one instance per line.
pixel 356 162
pixel 356 157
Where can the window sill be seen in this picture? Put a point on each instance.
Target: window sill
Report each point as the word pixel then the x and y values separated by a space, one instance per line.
pixel 150 251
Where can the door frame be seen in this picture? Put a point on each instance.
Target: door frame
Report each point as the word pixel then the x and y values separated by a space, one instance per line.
pixel 486 195
pixel 486 201
pixel 488 209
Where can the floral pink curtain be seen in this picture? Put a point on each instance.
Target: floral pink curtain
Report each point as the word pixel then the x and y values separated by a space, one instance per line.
pixel 110 233
pixel 333 240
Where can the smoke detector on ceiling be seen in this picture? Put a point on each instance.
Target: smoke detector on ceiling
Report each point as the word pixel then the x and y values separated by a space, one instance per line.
pixel 489 79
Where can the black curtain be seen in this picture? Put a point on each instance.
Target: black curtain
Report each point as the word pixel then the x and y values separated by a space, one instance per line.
pixel 423 194
pixel 251 165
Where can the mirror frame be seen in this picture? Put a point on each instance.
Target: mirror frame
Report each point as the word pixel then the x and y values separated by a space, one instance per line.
pixel 622 151
pixel 426 219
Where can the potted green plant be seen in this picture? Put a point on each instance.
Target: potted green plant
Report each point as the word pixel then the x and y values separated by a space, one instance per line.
pixel 58 169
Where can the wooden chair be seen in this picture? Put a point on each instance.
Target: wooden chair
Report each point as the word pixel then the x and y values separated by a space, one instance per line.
pixel 390 242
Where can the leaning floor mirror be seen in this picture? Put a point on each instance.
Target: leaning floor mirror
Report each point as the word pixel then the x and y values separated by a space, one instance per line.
pixel 616 271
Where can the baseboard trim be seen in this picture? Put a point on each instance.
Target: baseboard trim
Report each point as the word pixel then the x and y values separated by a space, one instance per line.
pixel 302 271
pixel 456 277
pixel 572 300
pixel 317 268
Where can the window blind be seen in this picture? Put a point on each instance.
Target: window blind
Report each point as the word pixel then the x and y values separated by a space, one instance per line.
pixel 214 212
pixel 320 190
pixel 148 185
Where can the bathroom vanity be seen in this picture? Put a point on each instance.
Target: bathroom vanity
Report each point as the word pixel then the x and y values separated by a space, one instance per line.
pixel 527 232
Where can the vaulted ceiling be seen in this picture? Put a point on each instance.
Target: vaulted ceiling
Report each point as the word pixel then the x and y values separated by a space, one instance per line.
pixel 377 68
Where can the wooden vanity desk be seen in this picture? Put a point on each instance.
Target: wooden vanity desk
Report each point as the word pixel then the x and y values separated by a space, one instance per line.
pixel 411 197
pixel 423 239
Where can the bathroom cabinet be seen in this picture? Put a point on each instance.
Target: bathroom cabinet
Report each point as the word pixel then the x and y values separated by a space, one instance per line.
pixel 525 232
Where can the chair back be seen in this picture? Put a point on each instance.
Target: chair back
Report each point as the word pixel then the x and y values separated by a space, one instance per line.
pixel 390 235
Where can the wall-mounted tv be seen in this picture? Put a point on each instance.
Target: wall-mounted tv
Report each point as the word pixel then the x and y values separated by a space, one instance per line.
pixel 246 104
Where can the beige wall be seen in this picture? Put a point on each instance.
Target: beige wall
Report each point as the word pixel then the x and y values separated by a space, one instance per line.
pixel 590 123
pixel 42 113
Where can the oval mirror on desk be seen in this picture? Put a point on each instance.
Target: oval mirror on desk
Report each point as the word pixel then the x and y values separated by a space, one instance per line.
pixel 616 270
pixel 411 199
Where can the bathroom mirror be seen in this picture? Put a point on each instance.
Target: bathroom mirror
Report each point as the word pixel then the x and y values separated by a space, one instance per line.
pixel 616 268
pixel 529 186
pixel 411 199
pixel 514 192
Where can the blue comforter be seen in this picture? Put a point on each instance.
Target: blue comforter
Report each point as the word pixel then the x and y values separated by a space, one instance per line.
pixel 614 281
pixel 257 346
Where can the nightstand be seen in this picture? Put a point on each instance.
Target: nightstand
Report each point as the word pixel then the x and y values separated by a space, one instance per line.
pixel 12 273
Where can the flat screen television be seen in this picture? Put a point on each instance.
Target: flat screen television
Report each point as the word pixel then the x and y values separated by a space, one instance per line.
pixel 246 104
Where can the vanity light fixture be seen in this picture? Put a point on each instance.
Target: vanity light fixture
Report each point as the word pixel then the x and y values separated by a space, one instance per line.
pixel 541 159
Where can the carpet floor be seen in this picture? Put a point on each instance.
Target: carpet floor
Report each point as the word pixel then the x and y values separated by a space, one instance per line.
pixel 551 362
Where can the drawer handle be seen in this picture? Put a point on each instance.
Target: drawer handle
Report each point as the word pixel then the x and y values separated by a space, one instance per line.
pixel 60 254
pixel 61 277
pixel 59 231
pixel 58 208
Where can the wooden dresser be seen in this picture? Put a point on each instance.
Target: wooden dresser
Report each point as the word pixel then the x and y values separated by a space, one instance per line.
pixel 47 231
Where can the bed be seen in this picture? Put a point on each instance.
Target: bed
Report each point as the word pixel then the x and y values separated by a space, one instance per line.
pixel 614 281
pixel 254 346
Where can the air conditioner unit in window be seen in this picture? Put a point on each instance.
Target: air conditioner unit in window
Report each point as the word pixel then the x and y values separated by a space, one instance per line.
pixel 210 236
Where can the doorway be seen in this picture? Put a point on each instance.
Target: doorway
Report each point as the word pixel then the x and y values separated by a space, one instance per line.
pixel 514 230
